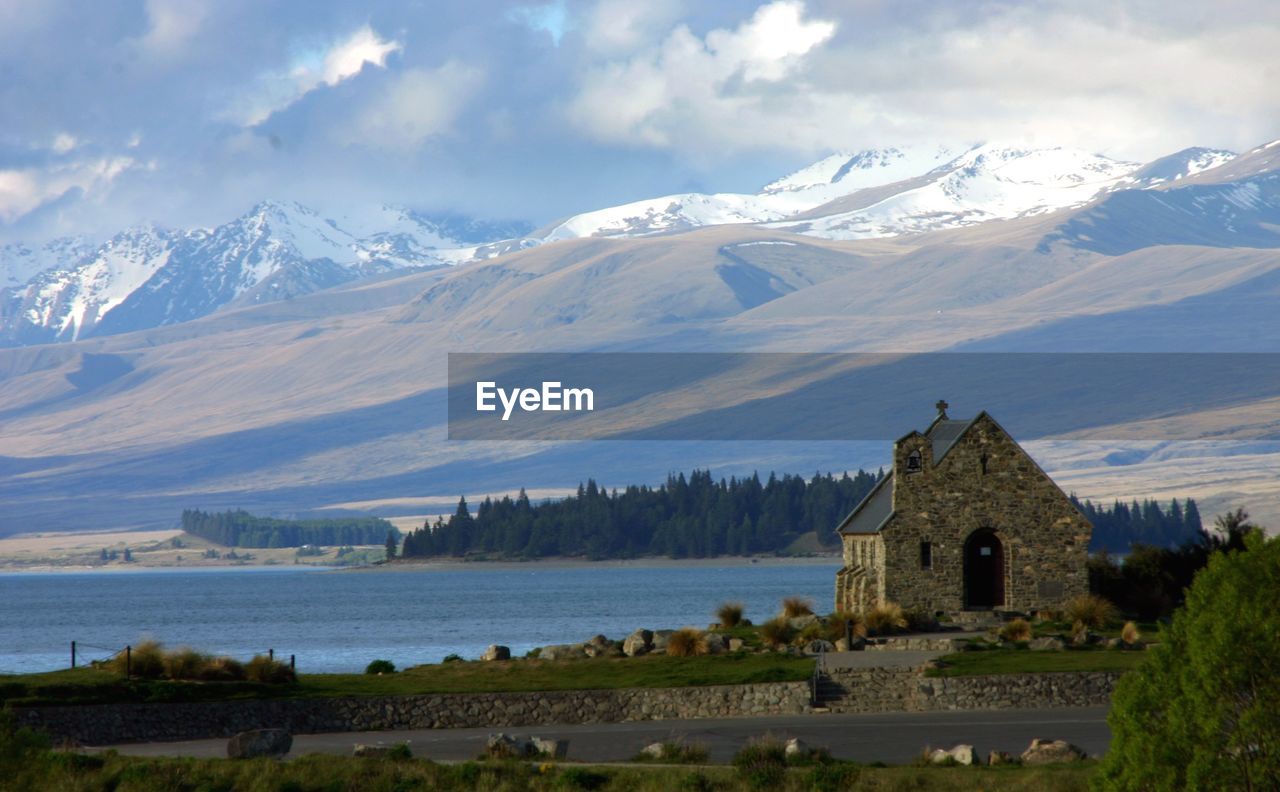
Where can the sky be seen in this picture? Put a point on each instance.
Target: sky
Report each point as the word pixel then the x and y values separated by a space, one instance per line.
pixel 188 112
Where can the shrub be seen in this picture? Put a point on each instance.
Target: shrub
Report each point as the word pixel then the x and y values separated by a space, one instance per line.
pixel 686 643
pixel 1200 711
pixel 776 632
pixel 400 752
pixel 762 763
pixel 581 778
pixel 380 667
pixel 146 661
pixel 1130 634
pixel 811 632
pixel 1016 630
pixel 267 670
pixel 730 614
pixel 185 663
pixel 833 776
pixel 885 619
pixel 1092 611
pixel 222 669
pixel 796 606
pixel 457 658
pixel 921 621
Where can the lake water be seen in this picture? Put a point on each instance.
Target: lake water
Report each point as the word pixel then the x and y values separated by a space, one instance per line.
pixel 339 620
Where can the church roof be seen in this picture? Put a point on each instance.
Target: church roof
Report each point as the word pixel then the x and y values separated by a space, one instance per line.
pixel 871 514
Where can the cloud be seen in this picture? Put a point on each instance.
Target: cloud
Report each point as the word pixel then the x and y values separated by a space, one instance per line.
pixel 63 143
pixel 551 18
pixel 24 190
pixel 170 24
pixel 416 105
pixel 685 82
pixel 275 90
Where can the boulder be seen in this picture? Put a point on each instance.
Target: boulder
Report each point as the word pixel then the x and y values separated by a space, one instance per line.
pixel 716 643
pixel 737 644
pixel 999 758
pixel 961 754
pixel 1048 643
pixel 496 652
pixel 259 742
pixel 800 622
pixel 551 749
pixel 796 748
pixel 598 641
pixel 562 652
pixel 818 646
pixel 637 643
pixel 658 643
pixel 363 749
pixel 653 750
pixel 507 746
pixel 1051 751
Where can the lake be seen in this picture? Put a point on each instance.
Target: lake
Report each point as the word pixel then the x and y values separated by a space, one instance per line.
pixel 339 620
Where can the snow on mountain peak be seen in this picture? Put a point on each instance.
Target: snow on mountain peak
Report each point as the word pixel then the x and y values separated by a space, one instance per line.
pixel 861 169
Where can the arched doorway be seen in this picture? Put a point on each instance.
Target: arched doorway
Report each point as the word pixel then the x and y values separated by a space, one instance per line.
pixel 983 570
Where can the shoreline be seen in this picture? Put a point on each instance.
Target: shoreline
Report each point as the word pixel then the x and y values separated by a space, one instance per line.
pixel 441 565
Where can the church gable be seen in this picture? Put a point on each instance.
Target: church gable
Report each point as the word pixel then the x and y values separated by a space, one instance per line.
pixel 965 519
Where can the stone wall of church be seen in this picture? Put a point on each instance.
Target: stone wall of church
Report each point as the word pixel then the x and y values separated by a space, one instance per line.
pixel 860 584
pixel 985 481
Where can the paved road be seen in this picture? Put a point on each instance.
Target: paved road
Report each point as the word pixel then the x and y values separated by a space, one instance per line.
pixel 892 737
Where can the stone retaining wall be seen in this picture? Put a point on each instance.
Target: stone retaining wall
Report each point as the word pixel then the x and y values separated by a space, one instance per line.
pixel 908 690
pixel 118 723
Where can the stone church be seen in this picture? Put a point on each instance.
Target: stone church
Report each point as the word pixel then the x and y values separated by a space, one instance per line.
pixel 966 520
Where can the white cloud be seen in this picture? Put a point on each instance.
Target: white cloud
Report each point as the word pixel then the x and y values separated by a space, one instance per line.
pixel 417 105
pixel 620 27
pixel 345 59
pixel 657 95
pixel 23 190
pixel 171 24
pixel 63 143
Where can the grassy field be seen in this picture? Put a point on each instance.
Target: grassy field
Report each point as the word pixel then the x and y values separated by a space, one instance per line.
pixel 1022 661
pixel 334 774
pixel 90 686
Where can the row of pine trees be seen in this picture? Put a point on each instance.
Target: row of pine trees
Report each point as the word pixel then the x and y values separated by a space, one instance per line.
pixel 1116 528
pixel 242 529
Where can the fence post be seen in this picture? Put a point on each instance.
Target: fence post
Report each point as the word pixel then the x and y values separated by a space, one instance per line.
pixel 271 654
pixel 292 666
pixel 128 662
pixel 73 654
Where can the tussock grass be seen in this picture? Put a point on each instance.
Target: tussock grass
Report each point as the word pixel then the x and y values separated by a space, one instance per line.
pixel 886 618
pixel 793 607
pixel 1016 630
pixel 776 632
pixel 836 625
pixel 686 642
pixel 1130 633
pixel 729 614
pixel 1090 610
pixel 266 670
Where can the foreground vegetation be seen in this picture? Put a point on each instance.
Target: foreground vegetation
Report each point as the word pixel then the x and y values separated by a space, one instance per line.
pixel 102 685
pixel 1021 661
pixel 39 769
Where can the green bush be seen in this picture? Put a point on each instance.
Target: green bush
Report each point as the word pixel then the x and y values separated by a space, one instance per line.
pixel 1202 709
pixel 581 778
pixel 453 658
pixel 380 667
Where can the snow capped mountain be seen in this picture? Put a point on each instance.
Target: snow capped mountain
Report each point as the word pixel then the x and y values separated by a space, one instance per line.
pixel 988 182
pixel 145 277
pixel 1180 165
pixel 841 174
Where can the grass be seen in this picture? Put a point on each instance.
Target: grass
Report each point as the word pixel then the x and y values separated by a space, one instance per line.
pixel 730 614
pixel 97 686
pixel 1015 661
pixel 793 607
pixel 1091 611
pixel 51 770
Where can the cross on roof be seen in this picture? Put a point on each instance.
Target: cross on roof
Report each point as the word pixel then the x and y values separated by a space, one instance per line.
pixel 942 408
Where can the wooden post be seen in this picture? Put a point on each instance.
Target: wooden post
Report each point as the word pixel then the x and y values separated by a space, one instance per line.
pixel 271 654
pixel 128 662
pixel 292 665
pixel 848 634
pixel 73 654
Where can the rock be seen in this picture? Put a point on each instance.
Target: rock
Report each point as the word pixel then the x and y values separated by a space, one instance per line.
pixel 496 652
pixel 638 643
pixel 362 749
pixel 999 758
pixel 800 622
pixel 1051 751
pixel 506 746
pixel 659 641
pixel 260 742
pixel 1113 643
pixel 736 644
pixel 653 750
pixel 1047 643
pixel 599 641
pixel 562 652
pixel 716 643
pixel 818 646
pixel 552 749
pixel 797 748
pixel 961 754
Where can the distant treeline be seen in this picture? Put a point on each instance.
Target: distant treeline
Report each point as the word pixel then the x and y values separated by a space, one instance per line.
pixel 700 516
pixel 1116 528
pixel 696 517
pixel 242 529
